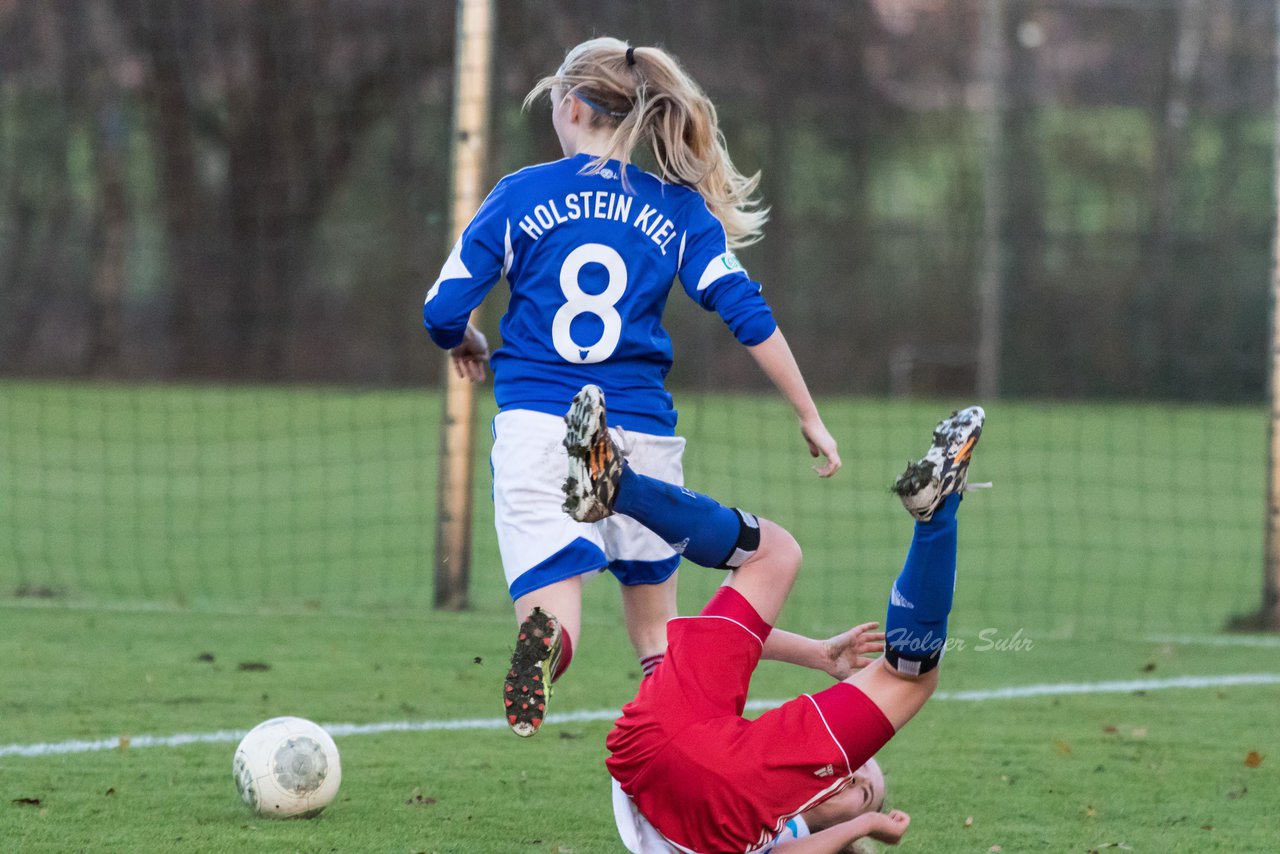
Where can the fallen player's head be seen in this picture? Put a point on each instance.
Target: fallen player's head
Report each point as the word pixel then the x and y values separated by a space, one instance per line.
pixel 864 794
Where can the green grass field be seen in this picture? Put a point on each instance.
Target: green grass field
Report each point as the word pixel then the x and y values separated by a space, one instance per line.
pixel 144 530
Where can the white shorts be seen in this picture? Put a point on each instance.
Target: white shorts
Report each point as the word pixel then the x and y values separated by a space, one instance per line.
pixel 539 542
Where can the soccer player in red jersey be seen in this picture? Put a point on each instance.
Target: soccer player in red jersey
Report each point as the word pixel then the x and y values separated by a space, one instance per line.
pixel 698 774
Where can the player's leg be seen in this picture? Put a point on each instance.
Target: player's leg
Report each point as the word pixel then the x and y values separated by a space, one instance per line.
pixel 764 556
pixel 921 597
pixel 544 555
pixel 647 608
pixel 561 605
pixel 645 564
pixel 857 717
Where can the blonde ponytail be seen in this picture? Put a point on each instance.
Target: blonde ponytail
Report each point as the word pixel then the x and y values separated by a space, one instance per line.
pixel 648 98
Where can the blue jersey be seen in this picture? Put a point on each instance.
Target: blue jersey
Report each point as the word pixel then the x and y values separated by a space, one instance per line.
pixel 590 263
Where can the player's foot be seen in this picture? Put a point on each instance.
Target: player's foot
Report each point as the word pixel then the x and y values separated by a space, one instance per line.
pixel 528 683
pixel 595 463
pixel 944 470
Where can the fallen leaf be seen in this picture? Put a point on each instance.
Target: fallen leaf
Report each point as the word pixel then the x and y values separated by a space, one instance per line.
pixel 1206 827
pixel 1110 729
pixel 1253 760
pixel 253 666
pixel 968 822
pixel 1090 812
pixel 1062 748
pixel 1140 732
pixel 110 792
pixel 26 802
pixel 995 849
pixel 1237 794
pixel 477 660
pixel 123 743
pixel 206 657
pixel 1148 667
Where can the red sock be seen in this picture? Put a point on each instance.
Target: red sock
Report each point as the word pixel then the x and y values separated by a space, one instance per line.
pixel 650 662
pixel 566 655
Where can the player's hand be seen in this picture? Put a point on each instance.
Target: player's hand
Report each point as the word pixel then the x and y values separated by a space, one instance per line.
pixel 886 827
pixel 470 357
pixel 846 652
pixel 821 443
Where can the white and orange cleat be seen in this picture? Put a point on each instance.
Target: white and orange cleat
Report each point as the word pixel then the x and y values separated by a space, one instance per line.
pixel 945 468
pixel 595 462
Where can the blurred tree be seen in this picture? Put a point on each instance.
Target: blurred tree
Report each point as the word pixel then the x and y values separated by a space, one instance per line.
pixel 256 112
pixel 239 189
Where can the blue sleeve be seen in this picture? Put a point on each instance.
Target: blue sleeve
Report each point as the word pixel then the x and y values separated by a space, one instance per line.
pixel 713 278
pixel 473 268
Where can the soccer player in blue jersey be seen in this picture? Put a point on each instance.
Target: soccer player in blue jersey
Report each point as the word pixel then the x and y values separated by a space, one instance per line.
pixel 591 246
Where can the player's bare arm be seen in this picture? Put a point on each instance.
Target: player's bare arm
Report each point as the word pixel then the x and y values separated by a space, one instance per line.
pixel 882 827
pixel 776 360
pixel 839 657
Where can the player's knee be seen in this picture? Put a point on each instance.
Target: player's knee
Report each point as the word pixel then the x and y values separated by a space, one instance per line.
pixel 781 549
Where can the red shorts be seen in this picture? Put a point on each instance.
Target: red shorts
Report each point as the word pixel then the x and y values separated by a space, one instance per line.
pixel 707 778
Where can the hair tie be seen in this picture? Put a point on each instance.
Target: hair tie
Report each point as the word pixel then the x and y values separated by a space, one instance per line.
pixel 631 56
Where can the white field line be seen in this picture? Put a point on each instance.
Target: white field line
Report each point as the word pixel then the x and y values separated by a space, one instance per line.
pixel 1014 692
pixel 1266 641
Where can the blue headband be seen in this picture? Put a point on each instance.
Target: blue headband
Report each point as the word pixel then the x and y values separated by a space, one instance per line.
pixel 599 109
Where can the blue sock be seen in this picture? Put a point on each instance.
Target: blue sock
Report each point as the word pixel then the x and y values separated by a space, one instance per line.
pixel 698 526
pixel 916 625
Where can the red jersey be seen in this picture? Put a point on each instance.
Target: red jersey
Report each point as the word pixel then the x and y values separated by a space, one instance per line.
pixel 710 780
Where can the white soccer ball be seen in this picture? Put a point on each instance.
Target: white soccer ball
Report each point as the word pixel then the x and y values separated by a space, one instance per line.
pixel 287 767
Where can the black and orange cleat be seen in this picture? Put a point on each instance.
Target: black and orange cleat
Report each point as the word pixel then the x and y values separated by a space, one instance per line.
pixel 595 462
pixel 533 664
pixel 945 468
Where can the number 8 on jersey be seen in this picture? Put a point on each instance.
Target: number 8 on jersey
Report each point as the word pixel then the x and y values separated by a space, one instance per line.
pixel 578 301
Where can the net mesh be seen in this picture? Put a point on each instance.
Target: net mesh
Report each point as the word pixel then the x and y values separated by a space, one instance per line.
pixel 217 222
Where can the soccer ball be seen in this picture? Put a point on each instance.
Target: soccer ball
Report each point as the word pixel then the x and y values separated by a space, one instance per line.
pixel 287 767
